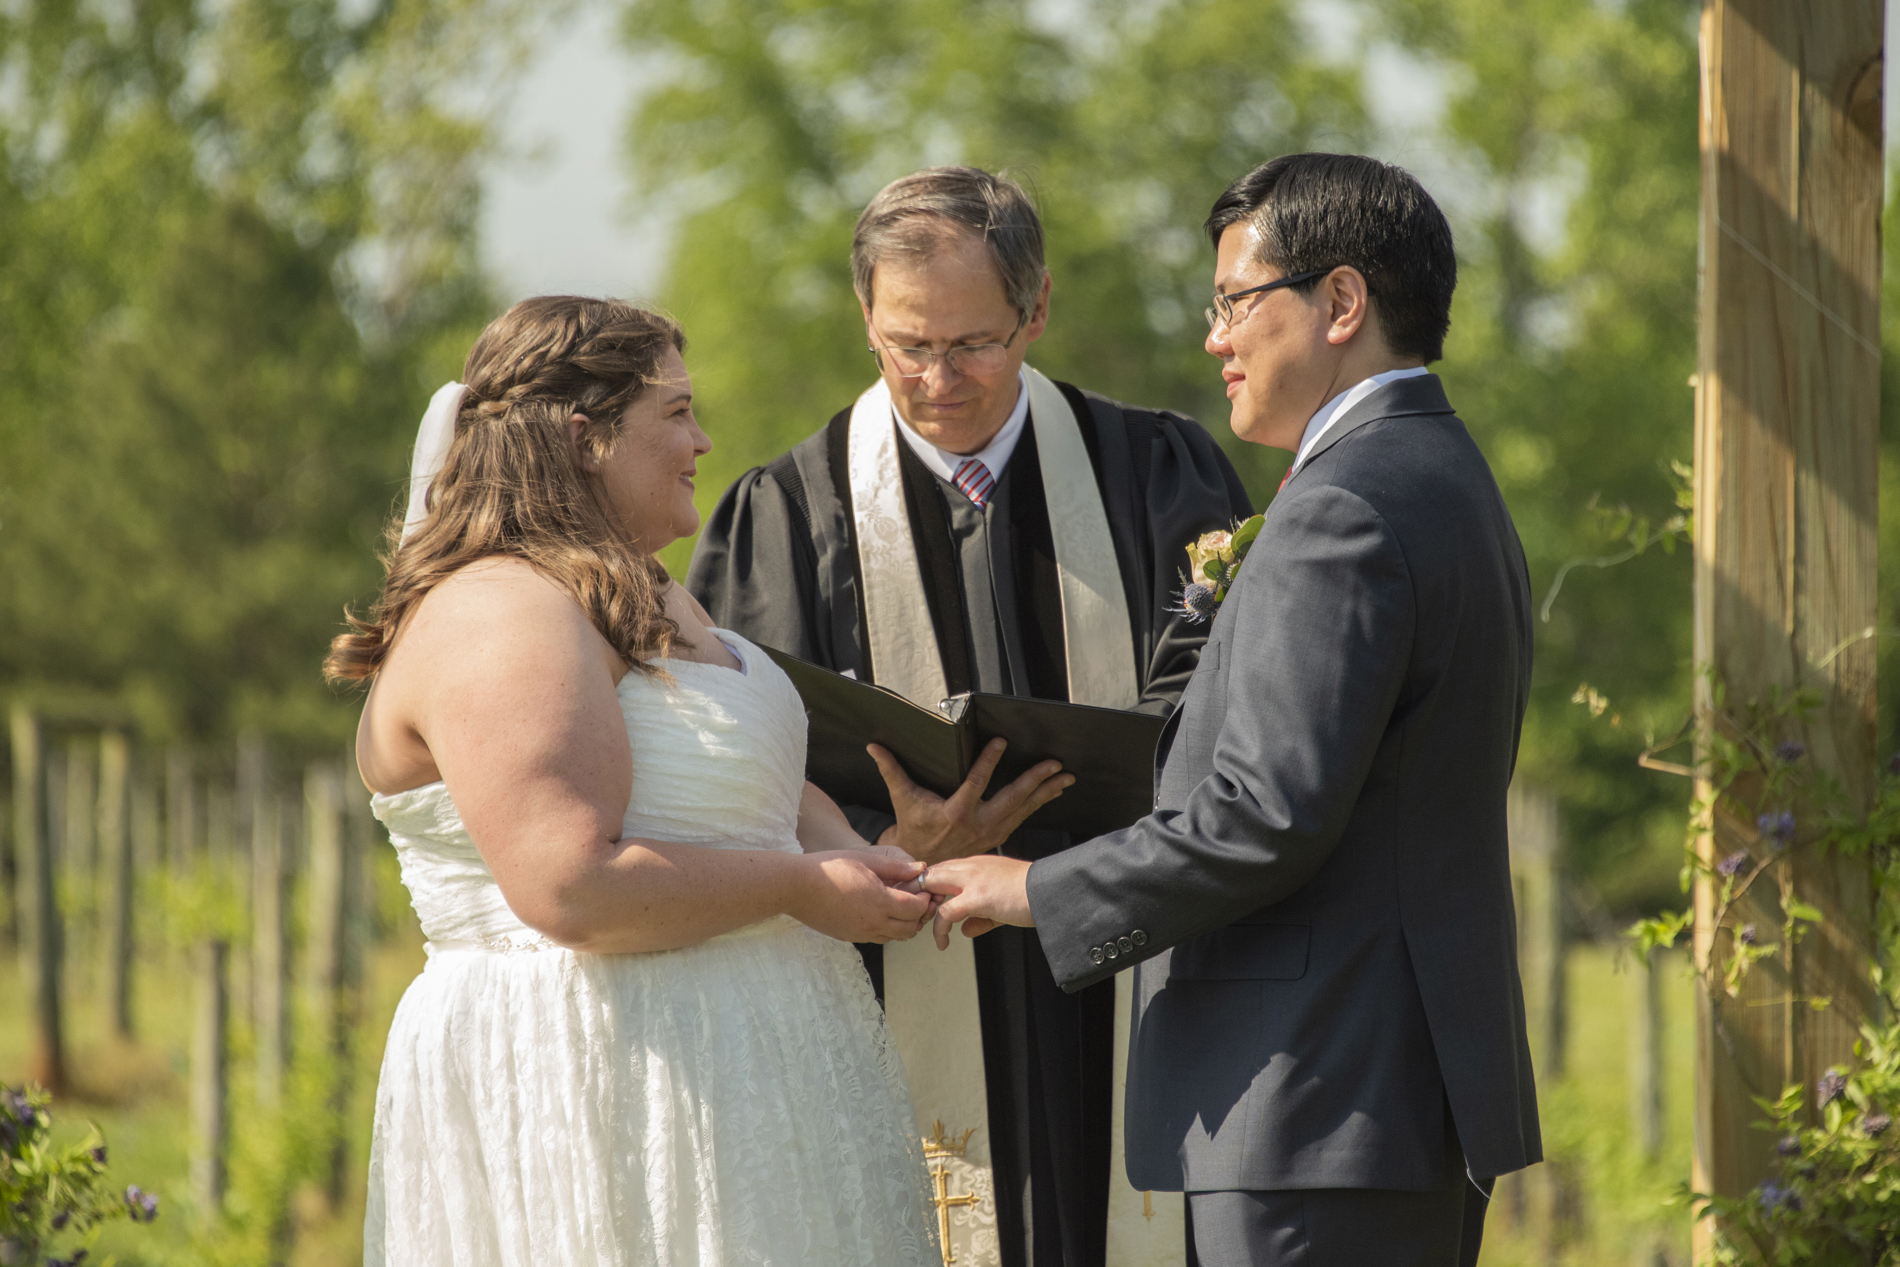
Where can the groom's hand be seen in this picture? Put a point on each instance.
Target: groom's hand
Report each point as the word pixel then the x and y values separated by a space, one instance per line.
pixel 979 893
pixel 933 829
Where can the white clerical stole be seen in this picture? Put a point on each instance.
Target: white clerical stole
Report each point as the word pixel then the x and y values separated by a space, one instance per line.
pixel 930 996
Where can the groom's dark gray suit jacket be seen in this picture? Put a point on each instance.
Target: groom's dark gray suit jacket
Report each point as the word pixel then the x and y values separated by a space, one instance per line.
pixel 1320 905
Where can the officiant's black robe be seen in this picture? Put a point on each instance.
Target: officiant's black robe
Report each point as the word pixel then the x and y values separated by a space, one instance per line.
pixel 776 564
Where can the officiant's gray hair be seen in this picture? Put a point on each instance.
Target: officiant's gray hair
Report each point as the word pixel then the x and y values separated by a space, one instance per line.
pixel 908 218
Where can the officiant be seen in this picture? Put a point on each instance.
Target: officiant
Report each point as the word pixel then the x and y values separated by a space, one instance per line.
pixel 969 524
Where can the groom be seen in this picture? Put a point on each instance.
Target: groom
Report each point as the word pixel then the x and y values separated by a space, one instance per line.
pixel 1328 1053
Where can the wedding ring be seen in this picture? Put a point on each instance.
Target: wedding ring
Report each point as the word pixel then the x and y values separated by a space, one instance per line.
pixel 923 875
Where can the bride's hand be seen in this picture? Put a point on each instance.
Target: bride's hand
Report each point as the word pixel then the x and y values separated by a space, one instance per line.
pixel 853 895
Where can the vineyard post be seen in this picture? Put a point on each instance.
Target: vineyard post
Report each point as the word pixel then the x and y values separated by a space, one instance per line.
pixel 116 878
pixel 39 907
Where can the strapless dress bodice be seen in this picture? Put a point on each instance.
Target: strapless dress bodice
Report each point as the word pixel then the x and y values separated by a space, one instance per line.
pixel 718 761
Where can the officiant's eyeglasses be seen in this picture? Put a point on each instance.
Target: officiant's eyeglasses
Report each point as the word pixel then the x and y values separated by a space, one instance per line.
pixel 974 358
pixel 1222 313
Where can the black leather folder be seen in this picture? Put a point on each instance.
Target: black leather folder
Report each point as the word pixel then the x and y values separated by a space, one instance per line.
pixel 1110 752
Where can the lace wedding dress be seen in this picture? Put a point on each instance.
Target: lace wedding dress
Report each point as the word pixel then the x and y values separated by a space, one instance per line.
pixel 734 1102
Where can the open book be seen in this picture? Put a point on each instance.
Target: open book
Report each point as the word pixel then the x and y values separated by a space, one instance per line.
pixel 1110 752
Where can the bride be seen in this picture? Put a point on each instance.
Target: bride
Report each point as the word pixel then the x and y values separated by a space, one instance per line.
pixel 642 1036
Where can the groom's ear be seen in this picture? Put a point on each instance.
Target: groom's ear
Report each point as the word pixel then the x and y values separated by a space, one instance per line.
pixel 1349 304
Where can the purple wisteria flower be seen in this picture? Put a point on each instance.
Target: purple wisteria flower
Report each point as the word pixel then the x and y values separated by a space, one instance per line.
pixel 1732 865
pixel 1777 829
pixel 143 1205
pixel 1773 1195
pixel 1788 1145
pixel 1748 935
pixel 1830 1086
pixel 1874 1125
pixel 1791 750
pixel 17 1105
pixel 99 1154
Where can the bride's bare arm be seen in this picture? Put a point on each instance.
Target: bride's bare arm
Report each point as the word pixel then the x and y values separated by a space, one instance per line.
pixel 513 692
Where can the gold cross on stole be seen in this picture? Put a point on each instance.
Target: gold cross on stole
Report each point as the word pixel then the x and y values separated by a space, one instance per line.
pixel 937 1146
pixel 943 1201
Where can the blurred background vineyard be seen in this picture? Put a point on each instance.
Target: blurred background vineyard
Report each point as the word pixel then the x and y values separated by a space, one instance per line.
pixel 241 243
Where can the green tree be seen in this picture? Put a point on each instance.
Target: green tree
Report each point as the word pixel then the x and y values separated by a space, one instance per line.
pixel 783 117
pixel 238 251
pixel 1573 367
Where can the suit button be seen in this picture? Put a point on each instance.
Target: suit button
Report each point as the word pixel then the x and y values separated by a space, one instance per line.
pixel 1110 949
pixel 1128 947
pixel 1138 937
pixel 1095 953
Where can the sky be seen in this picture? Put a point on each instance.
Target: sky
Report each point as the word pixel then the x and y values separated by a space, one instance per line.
pixel 558 214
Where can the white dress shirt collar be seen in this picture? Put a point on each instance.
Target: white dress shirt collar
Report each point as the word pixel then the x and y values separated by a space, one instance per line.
pixel 994 455
pixel 1336 408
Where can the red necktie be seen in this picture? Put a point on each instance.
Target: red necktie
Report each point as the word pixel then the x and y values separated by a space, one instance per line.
pixel 975 481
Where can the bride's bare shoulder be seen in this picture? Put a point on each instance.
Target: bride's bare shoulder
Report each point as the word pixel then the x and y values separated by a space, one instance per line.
pixel 494 609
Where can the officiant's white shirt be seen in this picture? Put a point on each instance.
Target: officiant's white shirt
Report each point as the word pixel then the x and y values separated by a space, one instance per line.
pixel 994 455
pixel 1336 408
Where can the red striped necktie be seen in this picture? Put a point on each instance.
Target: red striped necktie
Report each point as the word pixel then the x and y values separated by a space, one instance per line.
pixel 1285 478
pixel 974 481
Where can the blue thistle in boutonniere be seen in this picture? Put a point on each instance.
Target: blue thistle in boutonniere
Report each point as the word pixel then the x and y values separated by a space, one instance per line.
pixel 1214 561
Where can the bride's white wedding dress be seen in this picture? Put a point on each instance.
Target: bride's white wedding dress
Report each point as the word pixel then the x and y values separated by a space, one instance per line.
pixel 734 1102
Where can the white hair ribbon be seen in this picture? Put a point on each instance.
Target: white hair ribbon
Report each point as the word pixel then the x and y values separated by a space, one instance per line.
pixel 433 438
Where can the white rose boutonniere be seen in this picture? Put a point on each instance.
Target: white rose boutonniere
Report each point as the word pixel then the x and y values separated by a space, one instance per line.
pixel 1214 561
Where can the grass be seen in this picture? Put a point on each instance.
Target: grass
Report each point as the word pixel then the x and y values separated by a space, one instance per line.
pixel 1610 1207
pixel 137 1094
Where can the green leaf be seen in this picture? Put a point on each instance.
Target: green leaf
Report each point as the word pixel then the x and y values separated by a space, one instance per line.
pixel 1797 909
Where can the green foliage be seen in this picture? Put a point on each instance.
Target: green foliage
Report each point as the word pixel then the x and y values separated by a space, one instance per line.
pixel 48 1194
pixel 781 118
pixel 1837 1197
pixel 238 248
pixel 1836 1200
pixel 1571 363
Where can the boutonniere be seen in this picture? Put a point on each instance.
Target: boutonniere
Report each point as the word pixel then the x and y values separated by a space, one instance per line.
pixel 1214 561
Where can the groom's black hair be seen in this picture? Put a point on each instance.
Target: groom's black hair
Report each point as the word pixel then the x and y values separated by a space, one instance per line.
pixel 1315 212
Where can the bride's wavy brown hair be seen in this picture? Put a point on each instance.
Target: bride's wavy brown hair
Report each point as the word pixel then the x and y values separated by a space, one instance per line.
pixel 512 483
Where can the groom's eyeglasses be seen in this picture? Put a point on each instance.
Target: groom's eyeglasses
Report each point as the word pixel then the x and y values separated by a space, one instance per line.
pixel 975 358
pixel 1222 313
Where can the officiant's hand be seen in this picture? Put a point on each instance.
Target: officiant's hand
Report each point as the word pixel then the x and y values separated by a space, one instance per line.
pixel 932 829
pixel 978 893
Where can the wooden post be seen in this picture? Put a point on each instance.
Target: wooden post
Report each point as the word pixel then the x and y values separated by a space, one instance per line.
pixel 210 1073
pixel 181 812
pixel 220 828
pixel 329 952
pixel 1646 1054
pixel 78 850
pixel 9 877
pixel 39 907
pixel 148 824
pixel 1542 1202
pixel 270 946
pixel 116 882
pixel 1787 422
